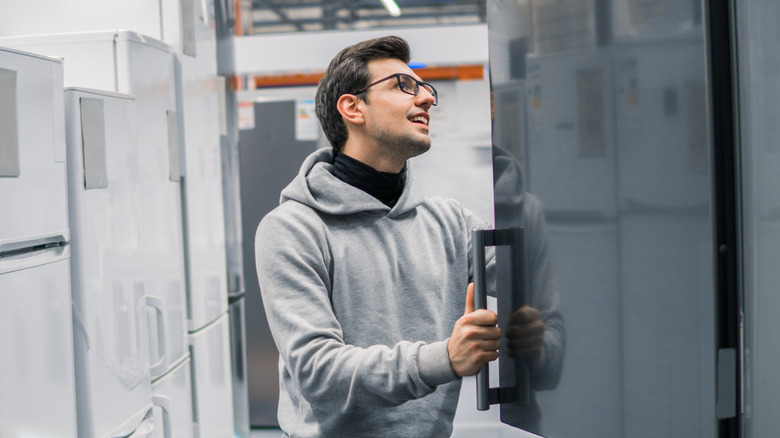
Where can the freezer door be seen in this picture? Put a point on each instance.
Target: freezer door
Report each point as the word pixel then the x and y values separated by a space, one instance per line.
pixel 32 149
pixel 212 382
pixel 36 338
pixel 172 397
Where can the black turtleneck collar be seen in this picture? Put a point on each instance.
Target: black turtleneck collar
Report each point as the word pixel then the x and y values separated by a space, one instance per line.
pixel 384 186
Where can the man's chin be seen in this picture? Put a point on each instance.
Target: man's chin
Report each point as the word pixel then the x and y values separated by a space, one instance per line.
pixel 419 149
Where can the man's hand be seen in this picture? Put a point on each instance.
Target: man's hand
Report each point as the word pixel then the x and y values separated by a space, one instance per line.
pixel 475 338
pixel 525 334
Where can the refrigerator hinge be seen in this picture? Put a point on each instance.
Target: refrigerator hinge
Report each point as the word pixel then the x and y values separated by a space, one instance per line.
pixel 726 404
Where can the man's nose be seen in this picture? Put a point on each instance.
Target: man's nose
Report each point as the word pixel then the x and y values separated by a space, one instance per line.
pixel 425 98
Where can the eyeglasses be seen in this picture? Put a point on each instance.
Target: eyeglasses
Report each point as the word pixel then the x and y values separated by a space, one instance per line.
pixel 408 85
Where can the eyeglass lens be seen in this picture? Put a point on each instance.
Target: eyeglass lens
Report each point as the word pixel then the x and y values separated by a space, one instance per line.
pixel 411 86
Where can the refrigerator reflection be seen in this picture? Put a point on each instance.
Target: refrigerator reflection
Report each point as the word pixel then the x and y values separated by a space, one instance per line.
pixel 602 165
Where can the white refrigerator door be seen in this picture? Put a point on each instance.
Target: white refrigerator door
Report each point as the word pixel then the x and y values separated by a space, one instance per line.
pixel 204 207
pixel 135 64
pixel 36 338
pixel 172 396
pixel 213 394
pixel 147 70
pixel 32 151
pixel 108 278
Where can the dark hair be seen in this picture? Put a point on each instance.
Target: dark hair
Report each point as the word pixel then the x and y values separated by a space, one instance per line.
pixel 347 73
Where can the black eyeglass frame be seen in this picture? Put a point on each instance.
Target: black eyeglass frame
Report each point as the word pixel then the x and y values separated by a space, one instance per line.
pixel 416 90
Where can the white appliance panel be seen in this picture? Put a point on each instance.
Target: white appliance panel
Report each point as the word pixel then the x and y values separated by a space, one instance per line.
pixel 108 279
pixel 203 182
pixel 172 396
pixel 36 337
pixel 161 218
pixel 213 394
pixel 33 193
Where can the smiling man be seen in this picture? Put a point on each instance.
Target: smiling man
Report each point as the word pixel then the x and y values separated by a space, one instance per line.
pixel 365 280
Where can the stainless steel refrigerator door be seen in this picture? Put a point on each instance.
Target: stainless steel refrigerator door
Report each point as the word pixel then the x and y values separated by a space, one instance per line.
pixel 759 166
pixel 602 157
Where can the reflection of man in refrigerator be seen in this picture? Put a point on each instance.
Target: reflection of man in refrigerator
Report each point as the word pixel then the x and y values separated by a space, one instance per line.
pixel 535 333
pixel 364 279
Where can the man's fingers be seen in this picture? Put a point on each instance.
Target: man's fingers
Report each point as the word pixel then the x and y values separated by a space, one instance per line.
pixel 469 299
pixel 481 317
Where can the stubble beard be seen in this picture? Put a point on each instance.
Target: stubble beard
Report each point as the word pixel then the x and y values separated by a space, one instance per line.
pixel 402 147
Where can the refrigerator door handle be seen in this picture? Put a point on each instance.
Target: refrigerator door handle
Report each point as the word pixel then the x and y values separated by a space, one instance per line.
pixel 512 237
pixel 158 304
pixel 33 243
pixel 165 404
pixel 480 239
pixel 16 260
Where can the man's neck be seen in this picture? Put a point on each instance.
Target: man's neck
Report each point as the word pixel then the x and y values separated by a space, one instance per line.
pixel 386 187
pixel 369 157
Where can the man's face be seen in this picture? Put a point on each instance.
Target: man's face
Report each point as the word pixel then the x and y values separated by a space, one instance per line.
pixel 396 121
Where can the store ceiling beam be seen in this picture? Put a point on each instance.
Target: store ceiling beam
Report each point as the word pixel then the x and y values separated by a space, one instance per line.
pixel 350 19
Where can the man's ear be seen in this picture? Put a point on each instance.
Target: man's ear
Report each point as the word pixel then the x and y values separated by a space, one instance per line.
pixel 350 109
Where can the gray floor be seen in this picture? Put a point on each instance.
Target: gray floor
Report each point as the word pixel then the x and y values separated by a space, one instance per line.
pixel 266 433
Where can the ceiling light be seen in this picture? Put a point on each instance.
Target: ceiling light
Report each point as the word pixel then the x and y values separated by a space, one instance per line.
pixel 392 8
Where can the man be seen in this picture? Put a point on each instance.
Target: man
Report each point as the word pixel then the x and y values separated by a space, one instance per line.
pixel 364 279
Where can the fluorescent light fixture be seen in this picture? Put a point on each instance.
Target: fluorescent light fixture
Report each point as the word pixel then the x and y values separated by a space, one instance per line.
pixel 392 8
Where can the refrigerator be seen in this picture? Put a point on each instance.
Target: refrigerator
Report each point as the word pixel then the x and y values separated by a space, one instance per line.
pixel 193 39
pixel 135 64
pixel 109 300
pixel 224 18
pixel 189 28
pixel 605 218
pixel 36 329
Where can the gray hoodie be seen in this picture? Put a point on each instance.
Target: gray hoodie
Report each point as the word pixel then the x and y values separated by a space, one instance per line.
pixel 361 300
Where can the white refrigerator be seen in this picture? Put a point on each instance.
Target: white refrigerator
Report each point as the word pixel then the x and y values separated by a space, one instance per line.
pixel 188 27
pixel 37 383
pixel 109 303
pixel 128 62
pixel 194 40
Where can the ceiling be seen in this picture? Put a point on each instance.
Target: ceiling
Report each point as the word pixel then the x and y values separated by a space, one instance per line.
pixel 277 16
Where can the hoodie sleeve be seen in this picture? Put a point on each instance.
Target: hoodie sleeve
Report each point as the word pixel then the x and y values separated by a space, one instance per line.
pixel 293 262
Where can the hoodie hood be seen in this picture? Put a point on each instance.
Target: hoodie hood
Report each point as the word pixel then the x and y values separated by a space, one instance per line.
pixel 316 186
